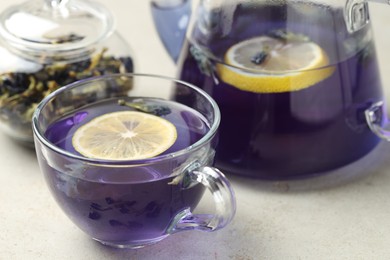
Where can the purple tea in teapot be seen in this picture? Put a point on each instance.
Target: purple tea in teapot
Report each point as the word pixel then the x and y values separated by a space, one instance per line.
pixel 293 81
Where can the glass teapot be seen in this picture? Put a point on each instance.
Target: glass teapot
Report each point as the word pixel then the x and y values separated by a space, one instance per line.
pixel 46 44
pixel 297 81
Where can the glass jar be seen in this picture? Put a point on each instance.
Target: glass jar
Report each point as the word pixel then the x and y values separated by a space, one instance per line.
pixel 46 44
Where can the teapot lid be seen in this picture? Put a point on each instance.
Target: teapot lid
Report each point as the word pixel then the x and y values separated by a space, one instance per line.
pixel 55 26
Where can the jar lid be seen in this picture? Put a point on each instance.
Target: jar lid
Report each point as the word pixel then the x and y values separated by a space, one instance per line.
pixel 55 26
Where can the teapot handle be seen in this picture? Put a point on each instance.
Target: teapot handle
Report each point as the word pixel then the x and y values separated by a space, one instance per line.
pixel 376 120
pixel 375 115
pixel 357 15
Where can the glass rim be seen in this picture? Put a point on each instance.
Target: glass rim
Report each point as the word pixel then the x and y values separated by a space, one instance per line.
pixel 198 144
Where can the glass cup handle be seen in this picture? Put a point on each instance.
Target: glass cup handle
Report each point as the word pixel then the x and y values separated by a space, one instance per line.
pixel 224 199
pixel 376 120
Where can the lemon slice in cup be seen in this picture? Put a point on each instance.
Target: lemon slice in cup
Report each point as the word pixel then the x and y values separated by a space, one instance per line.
pixel 271 65
pixel 124 135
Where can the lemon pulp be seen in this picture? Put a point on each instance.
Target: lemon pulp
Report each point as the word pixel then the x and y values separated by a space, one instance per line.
pixel 288 66
pixel 124 135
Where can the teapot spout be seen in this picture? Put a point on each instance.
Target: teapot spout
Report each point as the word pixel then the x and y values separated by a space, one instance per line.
pixel 171 18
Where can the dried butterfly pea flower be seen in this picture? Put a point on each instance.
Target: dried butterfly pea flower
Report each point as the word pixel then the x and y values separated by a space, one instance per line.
pixel 21 92
pixel 287 36
pixel 156 110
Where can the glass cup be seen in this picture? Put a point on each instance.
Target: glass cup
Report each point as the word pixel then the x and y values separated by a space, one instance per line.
pixel 133 203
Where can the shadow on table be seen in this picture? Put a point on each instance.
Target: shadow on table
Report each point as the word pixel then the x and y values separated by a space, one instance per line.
pixel 13 154
pixel 376 162
pixel 22 146
pixel 232 242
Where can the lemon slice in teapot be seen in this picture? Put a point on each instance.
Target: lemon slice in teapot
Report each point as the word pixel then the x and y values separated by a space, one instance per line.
pixel 267 64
